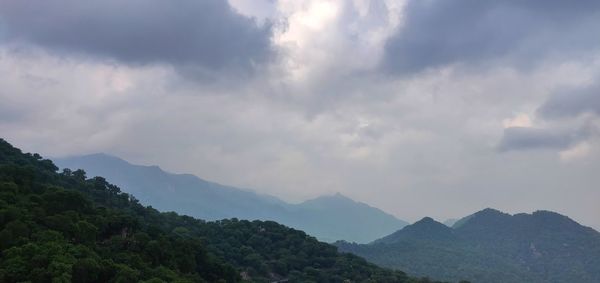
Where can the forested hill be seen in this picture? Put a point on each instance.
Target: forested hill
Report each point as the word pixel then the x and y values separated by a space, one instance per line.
pixel 491 246
pixel 63 227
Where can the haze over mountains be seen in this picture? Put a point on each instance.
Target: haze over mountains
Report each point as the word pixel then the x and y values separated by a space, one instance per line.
pixel 329 218
pixel 491 246
pixel 487 246
pixel 65 227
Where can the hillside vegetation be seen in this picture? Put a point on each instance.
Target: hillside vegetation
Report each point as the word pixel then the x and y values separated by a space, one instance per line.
pixel 64 227
pixel 491 246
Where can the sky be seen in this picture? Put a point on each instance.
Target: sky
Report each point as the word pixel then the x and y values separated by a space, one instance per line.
pixel 418 107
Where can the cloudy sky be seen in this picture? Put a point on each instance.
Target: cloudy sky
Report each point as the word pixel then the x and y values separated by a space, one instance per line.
pixel 419 107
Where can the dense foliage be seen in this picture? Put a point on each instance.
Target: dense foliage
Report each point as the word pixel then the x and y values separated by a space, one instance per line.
pixel 63 227
pixel 490 246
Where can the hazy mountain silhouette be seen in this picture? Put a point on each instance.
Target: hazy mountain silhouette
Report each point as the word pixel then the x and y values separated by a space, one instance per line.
pixel 343 218
pixel 329 218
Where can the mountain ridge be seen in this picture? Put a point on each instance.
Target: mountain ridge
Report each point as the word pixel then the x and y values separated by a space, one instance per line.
pixel 491 246
pixel 329 218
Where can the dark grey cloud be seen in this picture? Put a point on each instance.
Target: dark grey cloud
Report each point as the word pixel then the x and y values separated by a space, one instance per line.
pixel 571 103
pixel 559 108
pixel 206 34
pixel 437 32
pixel 525 138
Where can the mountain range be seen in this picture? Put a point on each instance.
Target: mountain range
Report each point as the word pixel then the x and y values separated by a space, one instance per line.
pixel 67 227
pixel 328 218
pixel 64 227
pixel 491 246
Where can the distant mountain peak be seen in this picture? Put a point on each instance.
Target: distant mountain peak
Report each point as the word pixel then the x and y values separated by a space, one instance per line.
pixel 486 217
pixel 490 211
pixel 339 195
pixel 429 222
pixel 426 220
pixel 336 196
pixel 425 229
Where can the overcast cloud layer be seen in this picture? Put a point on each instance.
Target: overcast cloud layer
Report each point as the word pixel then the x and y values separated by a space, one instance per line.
pixel 207 34
pixel 422 107
pixel 517 33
